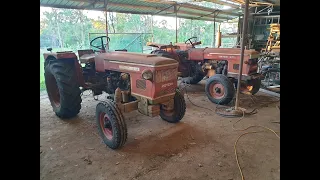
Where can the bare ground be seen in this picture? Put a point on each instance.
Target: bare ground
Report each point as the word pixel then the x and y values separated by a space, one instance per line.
pixel 200 147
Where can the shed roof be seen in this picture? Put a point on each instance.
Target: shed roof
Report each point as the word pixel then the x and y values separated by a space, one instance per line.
pixel 187 9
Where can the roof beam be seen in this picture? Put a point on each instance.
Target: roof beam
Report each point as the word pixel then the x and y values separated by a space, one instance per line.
pixel 64 7
pixel 114 5
pixel 191 6
pixel 181 13
pixel 185 5
pixel 223 3
pixel 131 12
pixel 202 18
pixel 201 15
pixel 163 9
pixel 259 3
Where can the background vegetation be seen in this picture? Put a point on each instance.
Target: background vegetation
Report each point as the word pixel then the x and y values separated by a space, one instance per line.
pixel 66 29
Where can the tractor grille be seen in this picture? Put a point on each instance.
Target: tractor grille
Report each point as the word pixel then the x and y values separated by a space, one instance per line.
pixel 166 75
pixel 141 84
pixel 167 91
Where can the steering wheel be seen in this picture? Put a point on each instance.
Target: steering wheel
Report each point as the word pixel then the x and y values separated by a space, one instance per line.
pixel 100 44
pixel 190 40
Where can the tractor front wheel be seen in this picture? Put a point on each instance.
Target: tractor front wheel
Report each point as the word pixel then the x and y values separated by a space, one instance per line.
pixel 219 89
pixel 179 109
pixel 62 87
pixel 111 125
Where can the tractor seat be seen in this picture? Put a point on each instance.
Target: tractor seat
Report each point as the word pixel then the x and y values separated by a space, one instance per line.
pixel 86 58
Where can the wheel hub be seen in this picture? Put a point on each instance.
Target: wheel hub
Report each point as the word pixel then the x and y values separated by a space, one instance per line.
pixel 107 124
pixel 217 90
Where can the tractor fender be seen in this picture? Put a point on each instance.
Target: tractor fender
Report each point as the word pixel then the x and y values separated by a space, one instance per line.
pixel 68 56
pixel 60 55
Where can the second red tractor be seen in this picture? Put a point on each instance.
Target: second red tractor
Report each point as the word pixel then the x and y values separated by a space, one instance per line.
pixel 219 65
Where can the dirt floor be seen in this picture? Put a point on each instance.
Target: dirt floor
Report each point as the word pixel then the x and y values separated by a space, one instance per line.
pixel 200 147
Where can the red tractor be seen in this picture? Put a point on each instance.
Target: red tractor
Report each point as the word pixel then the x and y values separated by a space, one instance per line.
pixel 133 81
pixel 219 65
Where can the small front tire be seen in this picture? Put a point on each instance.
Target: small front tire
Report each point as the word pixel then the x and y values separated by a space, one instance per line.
pixel 111 125
pixel 178 112
pixel 219 89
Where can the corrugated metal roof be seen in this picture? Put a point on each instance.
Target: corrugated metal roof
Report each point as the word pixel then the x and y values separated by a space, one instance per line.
pixel 161 7
pixel 185 9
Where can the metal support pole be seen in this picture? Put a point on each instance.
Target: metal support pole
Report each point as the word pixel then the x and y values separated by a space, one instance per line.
pixel 214 31
pixel 191 31
pixel 244 34
pixel 152 38
pixel 106 5
pixel 175 10
pixel 141 43
pixel 239 31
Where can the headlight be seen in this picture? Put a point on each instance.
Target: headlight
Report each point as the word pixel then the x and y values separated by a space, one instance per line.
pixel 147 74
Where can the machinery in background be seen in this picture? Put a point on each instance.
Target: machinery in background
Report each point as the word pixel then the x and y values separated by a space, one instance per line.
pixel 219 65
pixel 273 43
pixel 269 61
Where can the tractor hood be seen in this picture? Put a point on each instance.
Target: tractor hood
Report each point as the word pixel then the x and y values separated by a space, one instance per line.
pixel 136 58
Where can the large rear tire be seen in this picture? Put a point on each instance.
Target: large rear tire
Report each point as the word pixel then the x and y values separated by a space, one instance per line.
pixel 62 87
pixel 111 125
pixel 178 112
pixel 219 89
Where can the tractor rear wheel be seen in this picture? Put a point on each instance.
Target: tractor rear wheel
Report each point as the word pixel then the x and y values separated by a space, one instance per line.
pixel 111 125
pixel 195 74
pixel 62 87
pixel 177 113
pixel 219 89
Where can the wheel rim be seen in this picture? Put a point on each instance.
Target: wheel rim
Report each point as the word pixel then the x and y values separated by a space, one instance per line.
pixel 53 90
pixel 105 125
pixel 167 112
pixel 216 91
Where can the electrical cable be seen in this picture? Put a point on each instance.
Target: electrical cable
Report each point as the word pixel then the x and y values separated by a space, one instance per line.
pixel 254 111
